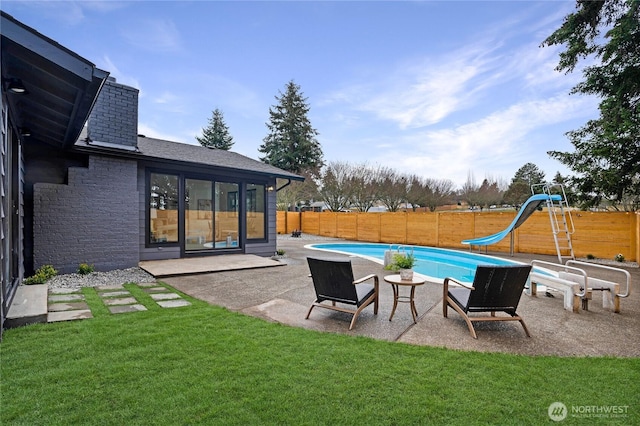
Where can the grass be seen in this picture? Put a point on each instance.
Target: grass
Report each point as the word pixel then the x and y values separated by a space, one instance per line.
pixel 203 364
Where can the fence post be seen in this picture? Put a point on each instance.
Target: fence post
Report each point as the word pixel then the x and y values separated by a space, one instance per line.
pixel 635 238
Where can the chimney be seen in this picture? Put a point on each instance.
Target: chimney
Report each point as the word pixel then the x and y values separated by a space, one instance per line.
pixel 113 122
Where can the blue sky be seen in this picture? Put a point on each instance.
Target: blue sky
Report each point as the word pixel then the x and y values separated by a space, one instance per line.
pixel 445 90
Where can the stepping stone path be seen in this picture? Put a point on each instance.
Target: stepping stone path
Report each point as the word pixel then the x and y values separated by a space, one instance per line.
pixel 69 304
pixel 66 304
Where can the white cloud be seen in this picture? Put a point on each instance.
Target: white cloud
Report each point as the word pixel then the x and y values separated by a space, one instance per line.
pixel 157 35
pixel 423 92
pixel 497 144
pixel 152 132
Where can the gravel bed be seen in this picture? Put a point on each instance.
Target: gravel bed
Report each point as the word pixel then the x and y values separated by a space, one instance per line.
pixel 607 262
pixel 96 279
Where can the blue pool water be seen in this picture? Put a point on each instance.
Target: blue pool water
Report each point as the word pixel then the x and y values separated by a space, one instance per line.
pixel 434 263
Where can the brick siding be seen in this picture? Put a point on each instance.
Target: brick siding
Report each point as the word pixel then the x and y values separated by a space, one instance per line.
pixel 114 118
pixel 93 219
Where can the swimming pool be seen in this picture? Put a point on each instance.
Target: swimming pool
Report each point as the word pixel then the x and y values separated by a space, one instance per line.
pixel 434 263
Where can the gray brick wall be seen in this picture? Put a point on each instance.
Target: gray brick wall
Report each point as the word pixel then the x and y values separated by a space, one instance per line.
pixel 114 118
pixel 93 219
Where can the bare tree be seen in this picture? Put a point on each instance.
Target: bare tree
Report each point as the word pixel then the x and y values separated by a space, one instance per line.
pixel 470 191
pixel 296 194
pixel 393 189
pixel 336 185
pixel 365 188
pixel 418 191
pixel 439 192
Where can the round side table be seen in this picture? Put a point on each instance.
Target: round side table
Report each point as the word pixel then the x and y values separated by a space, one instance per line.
pixel 396 282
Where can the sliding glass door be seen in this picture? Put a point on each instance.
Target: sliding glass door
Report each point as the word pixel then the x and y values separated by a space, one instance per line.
pixel 227 219
pixel 198 217
pixel 207 219
pixel 211 219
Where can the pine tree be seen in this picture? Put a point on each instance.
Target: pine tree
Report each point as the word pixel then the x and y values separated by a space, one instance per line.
pixel 605 35
pixel 216 135
pixel 291 143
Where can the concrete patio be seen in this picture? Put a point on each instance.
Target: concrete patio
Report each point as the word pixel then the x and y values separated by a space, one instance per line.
pixel 283 294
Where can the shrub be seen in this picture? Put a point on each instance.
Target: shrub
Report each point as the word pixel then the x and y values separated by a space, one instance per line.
pixel 280 252
pixel 42 275
pixel 619 257
pixel 590 256
pixel 85 269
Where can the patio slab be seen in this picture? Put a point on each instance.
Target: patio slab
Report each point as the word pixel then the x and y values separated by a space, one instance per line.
pixel 285 294
pixel 29 306
pixel 202 265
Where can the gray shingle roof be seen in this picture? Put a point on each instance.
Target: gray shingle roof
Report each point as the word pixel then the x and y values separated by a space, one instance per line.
pixel 150 148
pixel 166 150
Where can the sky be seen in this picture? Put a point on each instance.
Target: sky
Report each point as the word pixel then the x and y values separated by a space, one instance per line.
pixel 453 90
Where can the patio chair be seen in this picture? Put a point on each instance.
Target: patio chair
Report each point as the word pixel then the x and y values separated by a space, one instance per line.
pixel 494 289
pixel 333 282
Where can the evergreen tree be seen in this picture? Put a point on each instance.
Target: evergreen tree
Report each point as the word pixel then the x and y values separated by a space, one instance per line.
pixel 606 34
pixel 291 143
pixel 216 135
pixel 520 188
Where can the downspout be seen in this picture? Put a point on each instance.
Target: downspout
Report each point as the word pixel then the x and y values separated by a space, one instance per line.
pixel 285 215
pixel 285 185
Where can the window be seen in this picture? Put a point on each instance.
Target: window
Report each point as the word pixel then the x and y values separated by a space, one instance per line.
pixel 163 208
pixel 256 211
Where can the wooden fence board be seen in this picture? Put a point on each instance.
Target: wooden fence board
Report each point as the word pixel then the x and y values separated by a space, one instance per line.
pixel 328 222
pixel 422 229
pixel 601 234
pixel 347 226
pixel 393 227
pixel 369 227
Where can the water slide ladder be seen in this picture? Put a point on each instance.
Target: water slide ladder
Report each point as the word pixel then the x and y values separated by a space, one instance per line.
pixel 562 225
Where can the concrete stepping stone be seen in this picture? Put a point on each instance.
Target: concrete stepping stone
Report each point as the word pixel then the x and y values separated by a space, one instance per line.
pixel 114 293
pixel 120 301
pixel 165 296
pixel 126 308
pixel 114 287
pixel 146 285
pixel 69 315
pixel 173 303
pixel 65 297
pixel 155 289
pixel 64 291
pixel 73 306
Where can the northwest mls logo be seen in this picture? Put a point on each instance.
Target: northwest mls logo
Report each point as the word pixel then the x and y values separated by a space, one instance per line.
pixel 557 411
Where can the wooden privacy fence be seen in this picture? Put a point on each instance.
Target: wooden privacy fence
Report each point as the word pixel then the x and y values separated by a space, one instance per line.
pixel 601 234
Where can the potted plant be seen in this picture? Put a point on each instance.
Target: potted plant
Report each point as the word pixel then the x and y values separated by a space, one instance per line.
pixel 403 263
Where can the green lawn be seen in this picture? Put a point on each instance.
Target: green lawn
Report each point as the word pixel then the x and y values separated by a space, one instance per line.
pixel 205 365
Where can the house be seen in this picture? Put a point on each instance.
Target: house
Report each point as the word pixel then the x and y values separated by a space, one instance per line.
pixel 79 185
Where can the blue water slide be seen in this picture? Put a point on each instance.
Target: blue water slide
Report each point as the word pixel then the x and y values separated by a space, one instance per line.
pixel 527 209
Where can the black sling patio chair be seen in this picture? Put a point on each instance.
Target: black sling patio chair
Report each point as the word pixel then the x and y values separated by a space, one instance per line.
pixel 334 282
pixel 494 289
